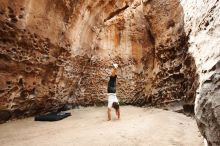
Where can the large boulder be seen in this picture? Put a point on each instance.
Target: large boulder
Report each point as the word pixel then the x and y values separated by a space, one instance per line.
pixel 202 23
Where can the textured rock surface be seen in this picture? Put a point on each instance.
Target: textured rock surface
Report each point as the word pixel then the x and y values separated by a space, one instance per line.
pixel 61 51
pixel 202 24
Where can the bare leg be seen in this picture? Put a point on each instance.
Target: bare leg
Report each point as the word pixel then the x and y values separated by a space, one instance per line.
pixel 118 113
pixel 109 114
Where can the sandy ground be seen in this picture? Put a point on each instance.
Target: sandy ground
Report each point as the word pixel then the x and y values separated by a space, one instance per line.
pixel 88 127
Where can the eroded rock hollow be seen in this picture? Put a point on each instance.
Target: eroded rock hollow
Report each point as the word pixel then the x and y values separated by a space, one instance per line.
pixel 61 52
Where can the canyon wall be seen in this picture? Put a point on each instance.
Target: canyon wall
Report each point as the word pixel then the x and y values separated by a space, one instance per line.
pixel 202 25
pixel 59 52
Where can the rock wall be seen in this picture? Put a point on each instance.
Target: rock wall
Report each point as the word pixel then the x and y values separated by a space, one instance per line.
pixel 60 52
pixel 175 77
pixel 202 24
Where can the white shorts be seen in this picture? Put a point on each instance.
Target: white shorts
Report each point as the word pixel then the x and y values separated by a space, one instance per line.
pixel 112 98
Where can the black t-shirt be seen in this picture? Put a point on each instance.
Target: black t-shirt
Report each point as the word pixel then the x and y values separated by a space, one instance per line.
pixel 112 84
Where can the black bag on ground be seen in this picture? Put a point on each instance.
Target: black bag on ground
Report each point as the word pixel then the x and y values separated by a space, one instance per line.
pixel 52 116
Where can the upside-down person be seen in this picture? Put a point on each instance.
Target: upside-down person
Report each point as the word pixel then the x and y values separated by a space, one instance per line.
pixel 112 98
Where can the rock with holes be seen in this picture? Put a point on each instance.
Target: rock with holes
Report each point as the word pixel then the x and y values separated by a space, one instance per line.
pixel 65 57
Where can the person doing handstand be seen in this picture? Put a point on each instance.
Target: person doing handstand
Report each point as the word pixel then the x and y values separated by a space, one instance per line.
pixel 112 99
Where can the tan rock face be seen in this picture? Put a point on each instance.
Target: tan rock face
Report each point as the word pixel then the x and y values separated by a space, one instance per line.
pixel 202 25
pixel 59 52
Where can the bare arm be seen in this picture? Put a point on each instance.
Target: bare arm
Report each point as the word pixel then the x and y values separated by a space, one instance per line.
pixel 114 71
